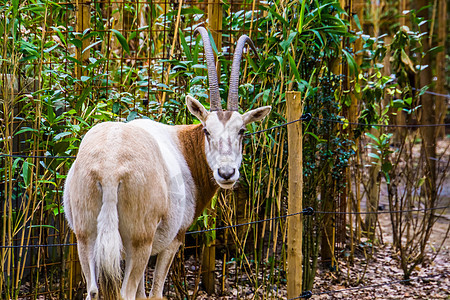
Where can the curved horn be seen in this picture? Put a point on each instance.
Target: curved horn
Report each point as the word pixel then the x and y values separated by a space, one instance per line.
pixel 214 93
pixel 232 103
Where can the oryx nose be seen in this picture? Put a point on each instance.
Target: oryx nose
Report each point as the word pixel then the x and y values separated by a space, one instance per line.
pixel 226 172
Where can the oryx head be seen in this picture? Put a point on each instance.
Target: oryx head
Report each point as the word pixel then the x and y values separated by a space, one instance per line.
pixel 224 130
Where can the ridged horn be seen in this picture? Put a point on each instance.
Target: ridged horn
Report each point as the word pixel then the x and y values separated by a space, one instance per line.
pixel 233 92
pixel 214 93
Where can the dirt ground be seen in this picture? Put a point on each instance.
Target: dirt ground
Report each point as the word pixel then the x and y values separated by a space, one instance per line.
pixel 383 269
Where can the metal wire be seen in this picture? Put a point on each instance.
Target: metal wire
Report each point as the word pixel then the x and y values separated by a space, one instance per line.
pixel 433 93
pixel 380 212
pixel 381 125
pixel 36 246
pixel 35 156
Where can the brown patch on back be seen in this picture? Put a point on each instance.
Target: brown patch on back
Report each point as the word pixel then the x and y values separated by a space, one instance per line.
pixel 192 143
pixel 224 116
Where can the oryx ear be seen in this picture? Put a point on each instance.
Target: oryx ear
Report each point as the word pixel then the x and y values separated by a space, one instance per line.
pixel 196 108
pixel 256 114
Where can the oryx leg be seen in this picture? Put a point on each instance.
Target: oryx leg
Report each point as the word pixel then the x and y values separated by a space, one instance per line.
pixel 141 289
pixel 86 256
pixel 163 262
pixel 136 261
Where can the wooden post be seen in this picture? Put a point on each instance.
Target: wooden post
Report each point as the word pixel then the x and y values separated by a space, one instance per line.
pixel 295 196
pixel 209 252
pixel 215 23
pixel 83 23
pixel 208 266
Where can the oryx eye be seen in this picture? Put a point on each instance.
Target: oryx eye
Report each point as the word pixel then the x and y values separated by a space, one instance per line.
pixel 206 131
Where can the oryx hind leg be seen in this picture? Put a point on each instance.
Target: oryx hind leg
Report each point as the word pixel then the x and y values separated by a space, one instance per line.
pixel 86 256
pixel 137 256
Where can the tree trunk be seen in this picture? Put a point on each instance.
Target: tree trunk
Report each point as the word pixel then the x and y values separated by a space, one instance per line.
pixel 428 115
pixel 441 102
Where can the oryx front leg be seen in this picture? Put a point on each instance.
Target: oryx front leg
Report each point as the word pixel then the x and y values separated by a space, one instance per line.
pixel 163 262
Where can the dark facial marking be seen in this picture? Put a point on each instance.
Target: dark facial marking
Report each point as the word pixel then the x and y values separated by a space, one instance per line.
pixel 224 116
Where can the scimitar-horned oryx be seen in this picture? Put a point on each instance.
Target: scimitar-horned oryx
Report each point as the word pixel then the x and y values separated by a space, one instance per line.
pixel 135 188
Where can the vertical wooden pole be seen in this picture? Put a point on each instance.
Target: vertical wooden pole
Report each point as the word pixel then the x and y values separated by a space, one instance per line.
pixel 83 23
pixel 209 257
pixel 215 26
pixel 215 22
pixel 295 196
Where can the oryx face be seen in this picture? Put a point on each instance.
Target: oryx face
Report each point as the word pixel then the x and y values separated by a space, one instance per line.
pixel 224 131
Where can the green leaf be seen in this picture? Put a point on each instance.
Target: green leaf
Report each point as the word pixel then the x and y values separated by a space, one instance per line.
pixel 43 226
pixel 386 167
pixel 388 178
pixel 421 181
pixel 407 61
pixel 116 108
pixel 77 43
pixel 73 59
pixel 26 129
pixel 61 135
pixel 51 48
pixel 15 163
pixel 301 17
pixel 377 140
pixel 122 40
pixel 91 45
pixel 213 43
pixel 373 155
pixel 15 5
pixel 61 147
pixel 435 50
pixel 285 44
pixel 294 68
pixel 315 136
pixel 186 11
pixel 26 172
pixel 353 67
pixel 132 116
pixel 357 88
pixel 275 14
pixel 357 22
pixel 196 49
pixel 60 35
pixel 185 46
